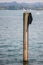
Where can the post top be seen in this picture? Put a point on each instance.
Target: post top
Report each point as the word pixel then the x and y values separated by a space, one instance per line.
pixel 26 11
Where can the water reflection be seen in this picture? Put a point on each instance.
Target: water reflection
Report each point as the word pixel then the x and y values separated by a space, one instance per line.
pixel 25 63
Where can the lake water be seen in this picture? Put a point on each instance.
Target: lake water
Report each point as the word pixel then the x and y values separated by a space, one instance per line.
pixel 11 38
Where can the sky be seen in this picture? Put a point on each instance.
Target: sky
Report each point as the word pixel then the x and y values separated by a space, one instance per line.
pixel 27 1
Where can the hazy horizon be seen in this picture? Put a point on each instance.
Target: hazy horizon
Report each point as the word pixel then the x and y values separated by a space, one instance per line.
pixel 19 1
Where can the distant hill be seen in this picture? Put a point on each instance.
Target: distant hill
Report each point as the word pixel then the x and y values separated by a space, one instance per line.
pixel 17 6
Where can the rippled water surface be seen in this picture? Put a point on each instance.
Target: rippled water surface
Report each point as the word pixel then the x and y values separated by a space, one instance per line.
pixel 11 38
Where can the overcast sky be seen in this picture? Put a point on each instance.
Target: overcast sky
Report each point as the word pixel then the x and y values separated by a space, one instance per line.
pixel 22 1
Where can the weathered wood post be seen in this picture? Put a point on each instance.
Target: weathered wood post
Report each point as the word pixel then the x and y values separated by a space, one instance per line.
pixel 26 21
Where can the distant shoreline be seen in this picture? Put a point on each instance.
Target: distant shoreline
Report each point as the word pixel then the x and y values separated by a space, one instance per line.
pixel 22 9
pixel 20 6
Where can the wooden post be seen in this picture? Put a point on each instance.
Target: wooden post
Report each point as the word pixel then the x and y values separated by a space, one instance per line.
pixel 25 36
pixel 25 63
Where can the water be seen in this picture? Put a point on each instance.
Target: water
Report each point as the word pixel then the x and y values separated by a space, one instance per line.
pixel 11 38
